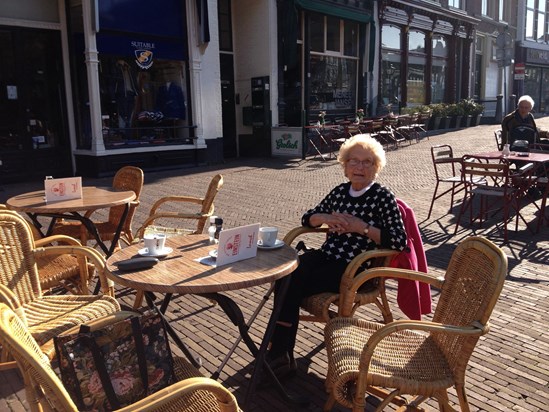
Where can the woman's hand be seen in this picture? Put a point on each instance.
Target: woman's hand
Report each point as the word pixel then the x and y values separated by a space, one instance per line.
pixel 347 223
pixel 335 222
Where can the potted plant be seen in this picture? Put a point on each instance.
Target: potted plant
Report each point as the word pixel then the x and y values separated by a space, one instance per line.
pixel 477 113
pixel 438 112
pixel 455 113
pixel 471 110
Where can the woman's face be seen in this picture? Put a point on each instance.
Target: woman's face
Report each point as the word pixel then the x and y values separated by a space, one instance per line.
pixel 360 167
pixel 524 108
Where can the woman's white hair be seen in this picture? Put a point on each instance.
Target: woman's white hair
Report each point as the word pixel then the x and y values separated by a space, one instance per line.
pixel 367 143
pixel 526 98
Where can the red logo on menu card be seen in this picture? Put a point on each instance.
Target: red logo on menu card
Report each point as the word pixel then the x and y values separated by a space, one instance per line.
pixel 59 189
pixel 232 247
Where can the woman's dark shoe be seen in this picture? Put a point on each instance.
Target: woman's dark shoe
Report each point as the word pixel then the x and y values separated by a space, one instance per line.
pixel 282 366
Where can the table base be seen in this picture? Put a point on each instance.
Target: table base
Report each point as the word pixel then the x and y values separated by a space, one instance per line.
pixel 233 312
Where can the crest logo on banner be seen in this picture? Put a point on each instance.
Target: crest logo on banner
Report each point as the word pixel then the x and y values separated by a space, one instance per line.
pixel 144 58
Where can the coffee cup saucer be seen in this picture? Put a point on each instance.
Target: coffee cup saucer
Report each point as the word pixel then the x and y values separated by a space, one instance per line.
pixel 160 254
pixel 278 244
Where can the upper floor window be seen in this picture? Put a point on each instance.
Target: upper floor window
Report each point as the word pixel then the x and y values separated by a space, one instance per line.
pixel 390 37
pixel 333 36
pixel 536 21
pixel 488 8
pixel 455 3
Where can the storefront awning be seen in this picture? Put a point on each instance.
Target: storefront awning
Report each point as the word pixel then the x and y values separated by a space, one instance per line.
pixel 336 10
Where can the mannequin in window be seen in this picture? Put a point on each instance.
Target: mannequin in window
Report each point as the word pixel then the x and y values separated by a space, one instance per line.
pixel 125 94
pixel 171 101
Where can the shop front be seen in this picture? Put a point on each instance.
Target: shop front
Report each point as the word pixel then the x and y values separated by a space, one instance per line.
pixel 323 59
pixel 143 88
pixel 535 81
pixel 425 54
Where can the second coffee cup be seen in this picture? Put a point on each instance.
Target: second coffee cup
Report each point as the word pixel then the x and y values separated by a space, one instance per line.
pixel 267 236
pixel 154 243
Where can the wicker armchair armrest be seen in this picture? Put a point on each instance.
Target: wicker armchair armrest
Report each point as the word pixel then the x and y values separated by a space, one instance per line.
pixel 395 273
pixel 63 239
pixel 102 322
pixel 182 199
pixel 10 300
pixel 107 286
pixel 160 400
pixel 351 283
pixel 300 230
pixel 475 329
pixel 155 214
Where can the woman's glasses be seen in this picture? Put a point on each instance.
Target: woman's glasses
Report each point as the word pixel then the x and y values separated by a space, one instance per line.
pixel 356 162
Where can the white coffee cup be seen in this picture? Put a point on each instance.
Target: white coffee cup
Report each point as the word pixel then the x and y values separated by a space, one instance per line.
pixel 154 243
pixel 267 236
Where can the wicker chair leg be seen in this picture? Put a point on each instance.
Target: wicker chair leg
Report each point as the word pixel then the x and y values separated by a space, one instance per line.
pixel 462 397
pixel 33 398
pixel 330 402
pixel 6 361
pixel 138 299
pixel 391 397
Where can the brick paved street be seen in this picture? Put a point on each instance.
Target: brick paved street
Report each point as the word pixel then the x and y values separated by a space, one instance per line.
pixel 509 369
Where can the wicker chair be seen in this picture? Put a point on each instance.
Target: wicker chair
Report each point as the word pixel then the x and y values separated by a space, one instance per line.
pixel 45 316
pixel 420 358
pixel 321 306
pixel 45 391
pixel 200 216
pixel 127 178
pixel 72 273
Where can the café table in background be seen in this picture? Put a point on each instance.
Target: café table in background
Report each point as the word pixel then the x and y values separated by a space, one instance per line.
pixel 93 198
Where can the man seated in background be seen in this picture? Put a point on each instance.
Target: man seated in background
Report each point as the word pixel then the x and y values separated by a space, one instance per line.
pixel 520 125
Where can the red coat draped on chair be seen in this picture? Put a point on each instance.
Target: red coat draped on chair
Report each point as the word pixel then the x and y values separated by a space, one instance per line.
pixel 413 297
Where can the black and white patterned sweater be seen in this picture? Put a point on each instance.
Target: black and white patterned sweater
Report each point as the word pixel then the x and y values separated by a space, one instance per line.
pixel 377 206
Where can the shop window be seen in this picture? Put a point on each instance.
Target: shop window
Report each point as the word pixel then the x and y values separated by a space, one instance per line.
pixel 390 65
pixel 417 60
pixel 143 107
pixel 225 27
pixel 532 83
pixel 333 83
pixel 439 68
pixel 316 24
pixel 333 34
pixel 390 37
pixel 333 63
pixel 350 43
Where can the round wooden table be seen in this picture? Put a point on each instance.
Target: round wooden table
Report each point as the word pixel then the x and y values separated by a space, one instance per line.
pixel 93 198
pixel 180 272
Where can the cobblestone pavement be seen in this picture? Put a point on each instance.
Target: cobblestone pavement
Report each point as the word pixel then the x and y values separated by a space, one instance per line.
pixel 509 369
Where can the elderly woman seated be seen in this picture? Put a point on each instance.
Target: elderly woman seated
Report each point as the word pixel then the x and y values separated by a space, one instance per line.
pixel 361 215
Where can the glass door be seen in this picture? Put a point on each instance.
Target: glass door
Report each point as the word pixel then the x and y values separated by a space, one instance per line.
pixel 33 133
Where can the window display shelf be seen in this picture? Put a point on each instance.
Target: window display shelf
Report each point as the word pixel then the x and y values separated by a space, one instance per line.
pixel 154 135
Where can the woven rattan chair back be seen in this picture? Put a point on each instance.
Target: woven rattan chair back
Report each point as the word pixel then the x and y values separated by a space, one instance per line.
pixel 127 178
pixel 472 285
pixel 33 364
pixel 161 211
pixel 71 273
pixel 18 272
